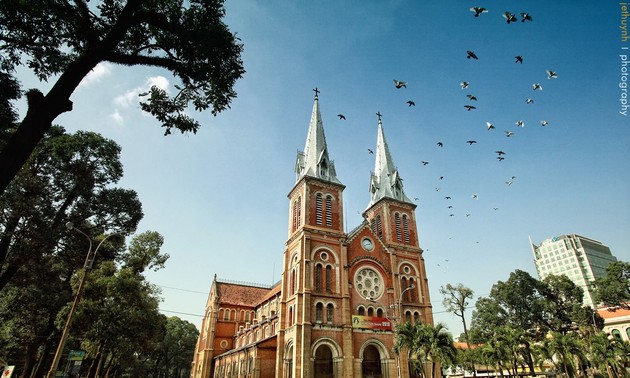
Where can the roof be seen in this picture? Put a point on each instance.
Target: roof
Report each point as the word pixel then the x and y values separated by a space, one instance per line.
pixel 240 295
pixel 608 313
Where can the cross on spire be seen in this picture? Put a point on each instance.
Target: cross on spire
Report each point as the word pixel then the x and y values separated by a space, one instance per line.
pixel 316 92
pixel 379 115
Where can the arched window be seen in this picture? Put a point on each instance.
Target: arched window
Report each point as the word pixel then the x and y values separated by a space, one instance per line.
pixel 318 277
pixel 361 311
pixel 405 223
pixel 412 292
pixel 397 224
pixel 403 286
pixel 329 313
pixel 408 316
pixel 329 211
pixel 379 312
pixel 416 317
pixel 329 279
pixel 616 333
pixel 370 311
pixel 318 208
pixel 373 225
pixel 628 332
pixel 290 315
pixel 226 315
pixel 319 310
pixel 379 228
pixel 297 210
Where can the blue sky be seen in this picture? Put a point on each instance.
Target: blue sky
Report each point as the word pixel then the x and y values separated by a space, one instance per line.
pixel 220 197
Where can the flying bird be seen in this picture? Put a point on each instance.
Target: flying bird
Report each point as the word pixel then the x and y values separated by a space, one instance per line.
pixel 537 87
pixel 447 198
pixel 551 74
pixel 471 97
pixel 478 10
pixel 520 123
pixel 471 54
pixel 437 189
pixel 471 142
pixel 440 144
pixel 544 123
pixel 400 84
pixel 525 17
pixel 519 59
pixel 508 134
pixel 529 101
pixel 495 208
pixel 370 151
pixel 464 84
pixel 475 196
pixel 509 183
pixel 509 17
pixel 450 206
pixel 500 158
pixel 469 107
pixel 500 152
pixel 341 116
pixel 424 162
pixel 441 177
pixel 512 178
pixel 489 126
pixel 411 103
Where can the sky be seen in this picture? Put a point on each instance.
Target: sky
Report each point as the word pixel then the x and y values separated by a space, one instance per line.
pixel 219 197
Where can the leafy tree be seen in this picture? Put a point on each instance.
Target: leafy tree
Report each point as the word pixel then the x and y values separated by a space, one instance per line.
pixel 66 39
pixel 608 353
pixel 565 351
pixel 613 290
pixel 456 300
pixel 176 350
pixel 428 343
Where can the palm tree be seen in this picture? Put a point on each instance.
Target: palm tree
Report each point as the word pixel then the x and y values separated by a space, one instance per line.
pixel 609 353
pixel 563 350
pixel 427 343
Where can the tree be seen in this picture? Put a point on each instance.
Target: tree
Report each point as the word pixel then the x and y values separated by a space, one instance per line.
pixel 613 290
pixel 69 38
pixel 565 351
pixel 456 300
pixel 428 343
pixel 607 352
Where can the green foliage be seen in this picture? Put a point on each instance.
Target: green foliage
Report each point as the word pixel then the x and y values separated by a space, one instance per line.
pixel 425 343
pixel 613 290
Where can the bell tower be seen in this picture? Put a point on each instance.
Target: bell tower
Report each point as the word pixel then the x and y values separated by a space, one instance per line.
pixel 312 267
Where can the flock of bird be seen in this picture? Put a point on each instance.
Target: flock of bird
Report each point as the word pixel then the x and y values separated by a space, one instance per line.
pixel 499 154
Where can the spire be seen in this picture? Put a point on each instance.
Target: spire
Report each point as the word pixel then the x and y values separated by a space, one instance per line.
pixel 385 180
pixel 314 161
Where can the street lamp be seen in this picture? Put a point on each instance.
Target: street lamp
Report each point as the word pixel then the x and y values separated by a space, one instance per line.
pixel 89 261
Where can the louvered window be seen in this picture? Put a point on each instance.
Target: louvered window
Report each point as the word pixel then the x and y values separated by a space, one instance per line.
pixel 397 224
pixel 318 277
pixel 405 223
pixel 379 228
pixel 329 211
pixel 318 209
pixel 329 313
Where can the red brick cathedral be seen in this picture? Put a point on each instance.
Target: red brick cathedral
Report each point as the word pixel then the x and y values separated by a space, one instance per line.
pixel 341 293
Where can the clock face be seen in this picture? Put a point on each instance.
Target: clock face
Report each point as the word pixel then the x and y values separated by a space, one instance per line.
pixel 369 283
pixel 367 244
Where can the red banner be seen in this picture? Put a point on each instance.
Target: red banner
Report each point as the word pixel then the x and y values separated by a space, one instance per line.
pixel 371 322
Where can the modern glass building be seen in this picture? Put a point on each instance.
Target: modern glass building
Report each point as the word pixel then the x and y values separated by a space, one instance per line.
pixel 579 258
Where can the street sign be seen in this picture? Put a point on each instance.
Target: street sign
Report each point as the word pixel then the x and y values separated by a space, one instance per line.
pixel 76 355
pixel 8 371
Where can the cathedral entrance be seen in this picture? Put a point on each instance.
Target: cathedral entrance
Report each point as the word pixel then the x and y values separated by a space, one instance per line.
pixel 371 366
pixel 323 362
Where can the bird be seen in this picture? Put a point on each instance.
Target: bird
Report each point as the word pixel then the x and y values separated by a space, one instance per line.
pixel 399 84
pixel 441 177
pixel 489 126
pixel 411 103
pixel 424 162
pixel 451 215
pixel 551 74
pixel 464 84
pixel 415 198
pixel 500 158
pixel 512 178
pixel 478 10
pixel 471 142
pixel 471 54
pixel 495 208
pixel 447 198
pixel 529 101
pixel 544 123
pixel 520 123
pixel 471 97
pixel 499 152
pixel 475 196
pixel 469 107
pixel 450 206
pixel 370 151
pixel 509 17
pixel 509 183
pixel 341 116
pixel 508 134
pixel 440 144
pixel 437 189
pixel 525 17
pixel 537 87
pixel 519 59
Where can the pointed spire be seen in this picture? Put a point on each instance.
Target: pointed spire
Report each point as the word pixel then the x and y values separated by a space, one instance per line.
pixel 314 161
pixel 385 180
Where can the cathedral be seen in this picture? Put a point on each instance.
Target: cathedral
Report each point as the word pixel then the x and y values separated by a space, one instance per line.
pixel 334 311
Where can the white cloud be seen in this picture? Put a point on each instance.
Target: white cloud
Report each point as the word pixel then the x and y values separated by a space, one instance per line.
pixel 117 117
pixel 128 98
pixel 97 74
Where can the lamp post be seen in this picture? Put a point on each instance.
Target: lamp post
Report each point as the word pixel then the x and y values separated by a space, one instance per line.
pixel 89 261
pixel 399 319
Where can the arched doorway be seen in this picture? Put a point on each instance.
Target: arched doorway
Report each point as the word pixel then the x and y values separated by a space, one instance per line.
pixel 288 361
pixel 323 362
pixel 371 366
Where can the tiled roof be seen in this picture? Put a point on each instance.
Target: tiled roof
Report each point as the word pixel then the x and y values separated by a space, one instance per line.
pixel 274 290
pixel 240 295
pixel 610 314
